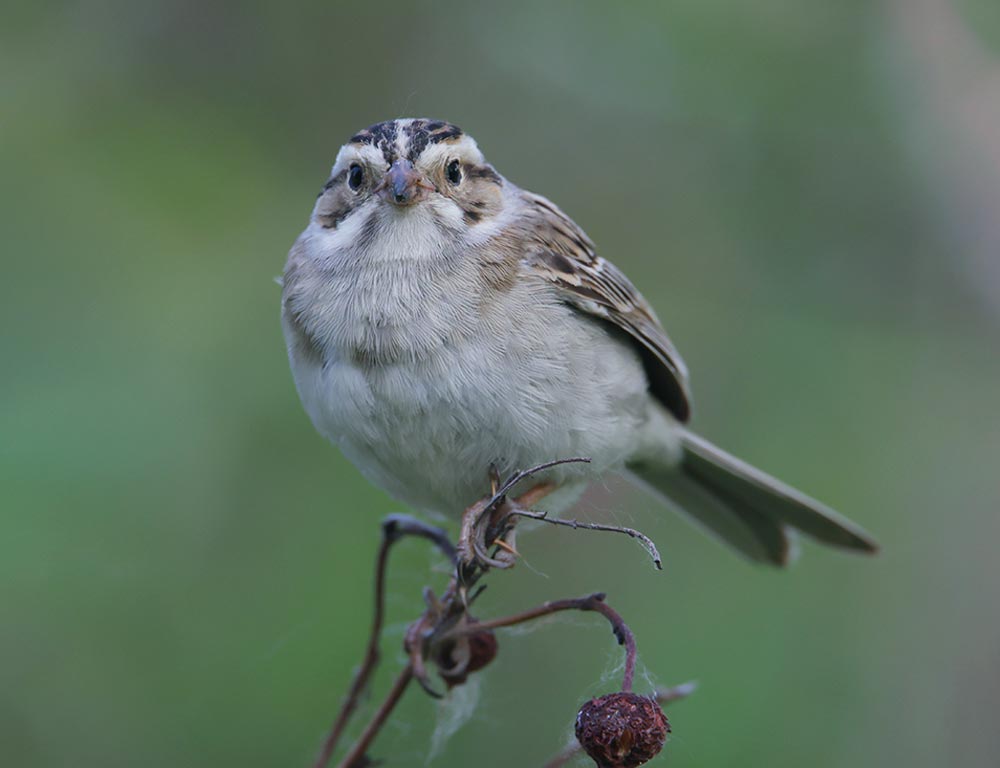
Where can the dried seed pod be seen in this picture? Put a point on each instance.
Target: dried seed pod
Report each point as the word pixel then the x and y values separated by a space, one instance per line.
pixel 482 649
pixel 621 730
pixel 468 654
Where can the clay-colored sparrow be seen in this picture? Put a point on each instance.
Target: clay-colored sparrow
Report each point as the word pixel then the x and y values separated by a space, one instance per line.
pixel 440 321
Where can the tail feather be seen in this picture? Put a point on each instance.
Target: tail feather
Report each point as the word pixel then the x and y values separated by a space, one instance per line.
pixel 750 510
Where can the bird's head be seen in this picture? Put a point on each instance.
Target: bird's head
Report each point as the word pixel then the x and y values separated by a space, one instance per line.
pixel 425 171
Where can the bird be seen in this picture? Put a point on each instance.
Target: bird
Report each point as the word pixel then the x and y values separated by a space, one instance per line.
pixel 441 321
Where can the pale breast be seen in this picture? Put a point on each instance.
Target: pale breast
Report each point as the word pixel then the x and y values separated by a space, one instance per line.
pixel 527 382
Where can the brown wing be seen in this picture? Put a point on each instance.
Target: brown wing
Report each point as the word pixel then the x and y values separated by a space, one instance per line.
pixel 559 251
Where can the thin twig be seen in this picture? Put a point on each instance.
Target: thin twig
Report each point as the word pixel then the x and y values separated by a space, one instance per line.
pixel 394 528
pixel 639 536
pixel 594 602
pixel 522 474
pixel 662 695
pixel 354 758
pixel 417 634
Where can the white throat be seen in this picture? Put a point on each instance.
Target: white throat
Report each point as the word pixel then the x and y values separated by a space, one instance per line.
pixel 379 233
pixel 387 285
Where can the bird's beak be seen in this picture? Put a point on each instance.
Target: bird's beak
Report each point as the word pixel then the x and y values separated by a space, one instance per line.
pixel 403 185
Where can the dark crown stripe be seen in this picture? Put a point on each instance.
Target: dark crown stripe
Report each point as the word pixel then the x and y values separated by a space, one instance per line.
pixel 376 134
pixel 419 132
pixel 381 135
pixel 424 132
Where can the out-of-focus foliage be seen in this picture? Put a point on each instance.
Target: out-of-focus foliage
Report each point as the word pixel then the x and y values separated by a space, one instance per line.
pixel 184 563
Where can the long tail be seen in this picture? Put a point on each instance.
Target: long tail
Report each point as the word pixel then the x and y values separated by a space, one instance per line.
pixel 748 509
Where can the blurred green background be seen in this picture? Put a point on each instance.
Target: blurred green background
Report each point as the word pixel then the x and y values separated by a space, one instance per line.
pixel 808 193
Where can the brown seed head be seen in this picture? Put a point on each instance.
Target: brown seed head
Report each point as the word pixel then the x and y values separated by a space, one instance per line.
pixel 621 730
pixel 467 655
pixel 482 649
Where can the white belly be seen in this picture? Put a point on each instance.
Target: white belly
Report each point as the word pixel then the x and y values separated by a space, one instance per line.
pixel 427 430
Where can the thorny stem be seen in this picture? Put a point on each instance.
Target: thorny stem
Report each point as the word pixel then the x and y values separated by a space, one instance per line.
pixel 355 758
pixel 662 695
pixel 394 528
pixel 575 524
pixel 594 602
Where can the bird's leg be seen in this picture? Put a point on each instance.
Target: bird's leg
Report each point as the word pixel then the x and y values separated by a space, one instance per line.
pixel 489 523
pixel 504 517
pixel 499 530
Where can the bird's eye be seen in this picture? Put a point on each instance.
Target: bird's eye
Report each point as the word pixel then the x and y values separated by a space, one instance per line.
pixel 355 177
pixel 454 172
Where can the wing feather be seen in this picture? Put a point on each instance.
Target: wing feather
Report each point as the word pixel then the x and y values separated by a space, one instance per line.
pixel 560 252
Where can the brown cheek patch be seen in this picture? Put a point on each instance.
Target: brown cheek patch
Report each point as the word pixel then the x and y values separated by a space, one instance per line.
pixel 330 219
pixel 481 198
pixel 476 209
pixel 334 181
pixel 333 208
pixel 484 173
